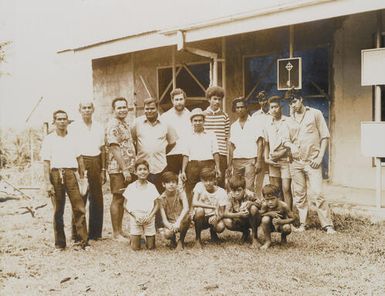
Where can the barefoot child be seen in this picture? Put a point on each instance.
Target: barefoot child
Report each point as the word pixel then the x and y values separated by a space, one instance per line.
pixel 141 203
pixel 209 201
pixel 276 215
pixel 174 210
pixel 242 209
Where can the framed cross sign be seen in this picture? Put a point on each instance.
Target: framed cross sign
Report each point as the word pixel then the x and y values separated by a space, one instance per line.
pixel 289 73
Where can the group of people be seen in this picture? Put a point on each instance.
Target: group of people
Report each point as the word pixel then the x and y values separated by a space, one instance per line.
pixel 169 170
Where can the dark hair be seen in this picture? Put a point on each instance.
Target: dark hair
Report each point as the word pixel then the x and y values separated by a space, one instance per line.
pixel 177 91
pixel 237 181
pixel 141 161
pixel 117 100
pixel 292 94
pixel 261 96
pixel 57 112
pixel 271 190
pixel 236 101
pixel 215 91
pixel 208 174
pixel 275 99
pixel 149 101
pixel 169 177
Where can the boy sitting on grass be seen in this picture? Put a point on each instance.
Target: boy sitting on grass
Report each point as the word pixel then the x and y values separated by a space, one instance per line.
pixel 242 210
pixel 141 203
pixel 209 201
pixel 276 215
pixel 174 210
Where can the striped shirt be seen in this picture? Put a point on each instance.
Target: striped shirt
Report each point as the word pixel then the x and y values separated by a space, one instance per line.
pixel 219 123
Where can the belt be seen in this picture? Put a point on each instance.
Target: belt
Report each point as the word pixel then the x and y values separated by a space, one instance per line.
pixel 91 157
pixel 201 161
pixel 64 169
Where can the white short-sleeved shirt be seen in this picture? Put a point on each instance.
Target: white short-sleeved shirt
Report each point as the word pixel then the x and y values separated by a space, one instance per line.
pixel 60 151
pixel 276 131
pixel 90 139
pixel 182 125
pixel 152 140
pixel 201 146
pixel 218 197
pixel 140 199
pixel 245 139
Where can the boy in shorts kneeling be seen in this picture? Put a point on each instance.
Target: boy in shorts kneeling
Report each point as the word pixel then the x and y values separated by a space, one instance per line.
pixel 141 203
pixel 242 210
pixel 209 201
pixel 276 215
pixel 174 210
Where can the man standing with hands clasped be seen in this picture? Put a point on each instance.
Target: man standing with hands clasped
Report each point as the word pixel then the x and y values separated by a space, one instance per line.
pixel 90 137
pixel 121 162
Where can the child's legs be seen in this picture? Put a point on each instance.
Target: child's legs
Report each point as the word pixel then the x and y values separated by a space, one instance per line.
pixel 184 226
pixel 254 220
pixel 266 227
pixel 199 221
pixel 135 242
pixel 236 224
pixel 219 227
pixel 285 231
pixel 149 231
pixel 150 242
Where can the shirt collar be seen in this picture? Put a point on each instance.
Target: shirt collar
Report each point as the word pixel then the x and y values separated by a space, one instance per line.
pixel 156 121
pixel 212 111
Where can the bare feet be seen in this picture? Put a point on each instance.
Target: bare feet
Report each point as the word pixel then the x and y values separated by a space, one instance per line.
pixel 266 245
pixel 179 246
pixel 255 244
pixel 198 245
pixel 125 234
pixel 119 238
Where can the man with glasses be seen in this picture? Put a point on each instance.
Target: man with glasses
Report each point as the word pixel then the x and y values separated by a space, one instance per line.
pixel 308 139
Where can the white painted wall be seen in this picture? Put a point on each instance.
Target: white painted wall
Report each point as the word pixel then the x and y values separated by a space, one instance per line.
pixel 352 103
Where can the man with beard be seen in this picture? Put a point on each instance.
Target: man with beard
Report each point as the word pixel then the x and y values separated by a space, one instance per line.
pixel 178 117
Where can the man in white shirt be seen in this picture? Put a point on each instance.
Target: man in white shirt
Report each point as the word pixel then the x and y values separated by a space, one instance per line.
pixel 90 137
pixel 61 160
pixel 260 118
pixel 246 145
pixel 177 117
pixel 201 151
pixel 153 139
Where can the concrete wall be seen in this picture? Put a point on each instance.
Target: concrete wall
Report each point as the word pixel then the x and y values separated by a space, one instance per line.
pixel 126 76
pixel 352 103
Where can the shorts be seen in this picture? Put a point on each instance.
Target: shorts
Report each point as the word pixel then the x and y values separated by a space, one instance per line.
pixel 140 229
pixel 118 184
pixel 282 172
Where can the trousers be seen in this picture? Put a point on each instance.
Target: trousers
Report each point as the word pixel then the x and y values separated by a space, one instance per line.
pixel 308 182
pixel 64 181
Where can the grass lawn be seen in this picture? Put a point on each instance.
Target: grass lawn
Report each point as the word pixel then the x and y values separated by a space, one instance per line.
pixel 351 262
